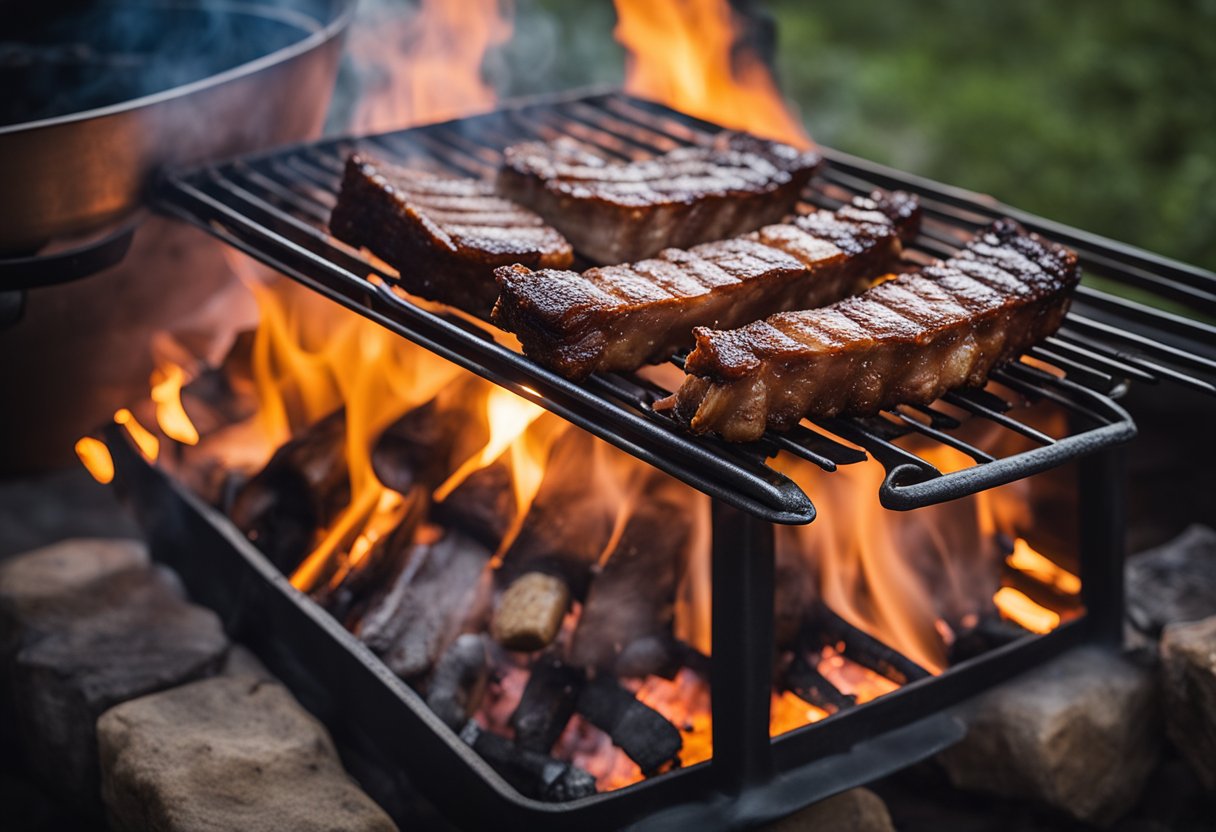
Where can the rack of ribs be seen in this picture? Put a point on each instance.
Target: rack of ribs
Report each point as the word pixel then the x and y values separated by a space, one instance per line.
pixel 615 212
pixel 618 318
pixel 445 235
pixel 907 340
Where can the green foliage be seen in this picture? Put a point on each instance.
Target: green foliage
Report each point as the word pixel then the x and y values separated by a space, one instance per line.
pixel 1098 114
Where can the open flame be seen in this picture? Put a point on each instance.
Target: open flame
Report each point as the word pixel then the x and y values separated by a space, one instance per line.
pixel 913 580
pixel 685 53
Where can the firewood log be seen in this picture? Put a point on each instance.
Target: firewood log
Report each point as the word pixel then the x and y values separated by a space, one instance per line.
pixel 633 596
pixel 299 491
pixel 442 591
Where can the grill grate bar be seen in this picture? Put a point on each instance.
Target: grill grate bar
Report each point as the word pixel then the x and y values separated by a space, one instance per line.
pixel 276 206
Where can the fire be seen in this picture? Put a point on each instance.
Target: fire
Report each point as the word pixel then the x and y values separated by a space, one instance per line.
pixel 170 413
pixel 508 416
pixel 95 457
pixel 1018 607
pixel 1027 560
pixel 684 53
pixel 145 440
pixel 424 65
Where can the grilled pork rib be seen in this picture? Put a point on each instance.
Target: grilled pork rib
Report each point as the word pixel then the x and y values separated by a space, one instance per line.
pixel 444 234
pixel 904 341
pixel 621 317
pixel 616 212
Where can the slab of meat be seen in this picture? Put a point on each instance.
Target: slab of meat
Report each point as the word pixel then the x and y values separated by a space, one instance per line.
pixel 615 212
pixel 444 234
pixel 904 341
pixel 621 317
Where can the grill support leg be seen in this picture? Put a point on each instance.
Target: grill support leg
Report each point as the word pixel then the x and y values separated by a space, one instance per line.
pixel 742 627
pixel 1103 540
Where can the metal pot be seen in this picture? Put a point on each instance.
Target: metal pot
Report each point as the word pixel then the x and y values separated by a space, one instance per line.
pixel 81 349
pixel 74 173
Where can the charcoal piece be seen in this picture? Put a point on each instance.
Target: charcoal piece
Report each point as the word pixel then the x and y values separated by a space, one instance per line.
pixel 661 655
pixel 633 596
pixel 535 775
pixel 547 703
pixel 989 633
pixel 644 734
pixel 456 687
pixel 530 612
pixel 483 506
pixel 793 590
pixel 1175 581
pixel 805 681
pixel 300 491
pixel 441 591
pixel 428 442
pixel 826 627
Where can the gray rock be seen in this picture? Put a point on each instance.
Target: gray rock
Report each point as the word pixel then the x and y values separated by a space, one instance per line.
pixel 1188 653
pixel 242 661
pixel 233 752
pixel 1080 734
pixel 1175 581
pixel 857 810
pixel 87 628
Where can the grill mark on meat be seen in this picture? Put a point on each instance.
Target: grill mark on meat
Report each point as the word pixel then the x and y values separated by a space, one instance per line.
pixel 617 318
pixel 907 340
pixel 615 212
pixel 445 235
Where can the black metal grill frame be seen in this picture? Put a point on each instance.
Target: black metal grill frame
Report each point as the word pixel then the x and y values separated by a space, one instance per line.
pixel 275 207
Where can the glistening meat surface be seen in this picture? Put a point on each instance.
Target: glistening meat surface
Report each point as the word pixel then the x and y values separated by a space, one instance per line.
pixel 904 341
pixel 615 212
pixel 618 318
pixel 445 235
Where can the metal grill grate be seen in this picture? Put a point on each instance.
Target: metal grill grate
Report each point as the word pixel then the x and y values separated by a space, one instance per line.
pixel 276 208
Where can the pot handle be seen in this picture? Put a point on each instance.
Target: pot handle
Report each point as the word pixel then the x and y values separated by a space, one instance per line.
pixel 39 270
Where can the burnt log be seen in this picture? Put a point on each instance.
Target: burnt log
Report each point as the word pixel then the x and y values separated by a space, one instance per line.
pixel 300 491
pixel 988 633
pixel 566 530
pixel 824 626
pixel 660 655
pixel 632 598
pixel 547 703
pixel 428 442
pixel 535 775
pixel 442 590
pixel 793 590
pixel 644 734
pixel 805 681
pixel 483 506
pixel 458 684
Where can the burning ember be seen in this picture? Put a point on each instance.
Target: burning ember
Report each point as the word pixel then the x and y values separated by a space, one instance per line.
pixel 548 594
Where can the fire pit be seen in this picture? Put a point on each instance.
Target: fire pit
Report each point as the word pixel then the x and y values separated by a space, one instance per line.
pixel 767 664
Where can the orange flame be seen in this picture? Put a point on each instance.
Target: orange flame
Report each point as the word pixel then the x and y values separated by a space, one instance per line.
pixel 1017 606
pixel 145 440
pixel 1027 560
pixel 170 412
pixel 95 457
pixel 684 53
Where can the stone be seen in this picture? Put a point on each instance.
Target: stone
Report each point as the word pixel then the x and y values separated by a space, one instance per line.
pixel 1175 581
pixel 33 582
pixel 232 752
pixel 1188 657
pixel 857 810
pixel 242 661
pixel 85 629
pixel 1080 734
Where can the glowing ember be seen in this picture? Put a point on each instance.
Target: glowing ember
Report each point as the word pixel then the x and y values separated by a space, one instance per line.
pixel 1018 607
pixel 95 457
pixel 170 414
pixel 788 712
pixel 682 53
pixel 1027 560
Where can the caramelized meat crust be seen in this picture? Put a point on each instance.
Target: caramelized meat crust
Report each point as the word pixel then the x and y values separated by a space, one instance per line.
pixel 616 212
pixel 618 318
pixel 907 340
pixel 445 235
